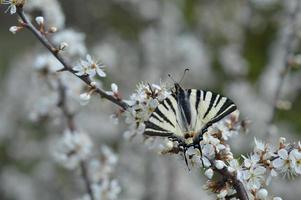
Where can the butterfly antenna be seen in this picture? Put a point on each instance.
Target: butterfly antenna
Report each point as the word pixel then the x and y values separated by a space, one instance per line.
pixel 182 78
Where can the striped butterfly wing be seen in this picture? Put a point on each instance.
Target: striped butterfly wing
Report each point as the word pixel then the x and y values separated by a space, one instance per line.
pixel 164 121
pixel 201 110
pixel 210 108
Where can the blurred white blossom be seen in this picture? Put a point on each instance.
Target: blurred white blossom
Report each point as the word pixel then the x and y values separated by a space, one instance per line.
pixel 72 148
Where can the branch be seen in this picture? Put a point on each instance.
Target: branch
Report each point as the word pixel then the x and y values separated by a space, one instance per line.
pixel 66 66
pixel 289 40
pixel 241 192
pixel 62 104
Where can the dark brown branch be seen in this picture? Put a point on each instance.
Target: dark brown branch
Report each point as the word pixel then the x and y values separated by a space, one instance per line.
pixel 67 67
pixel 288 46
pixel 241 192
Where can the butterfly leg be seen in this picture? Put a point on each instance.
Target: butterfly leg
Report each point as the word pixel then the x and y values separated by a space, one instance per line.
pixel 197 145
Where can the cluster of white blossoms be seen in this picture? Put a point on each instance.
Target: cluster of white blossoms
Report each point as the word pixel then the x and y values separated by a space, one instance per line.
pixel 254 171
pixel 73 148
pixel 141 104
pixel 101 175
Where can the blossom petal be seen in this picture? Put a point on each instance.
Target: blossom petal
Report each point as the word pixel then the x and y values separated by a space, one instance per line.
pixel 89 59
pixel 77 68
pixel 100 72
pixel 278 163
pixel 283 154
pixel 114 87
pixel 91 72
pixel 13 9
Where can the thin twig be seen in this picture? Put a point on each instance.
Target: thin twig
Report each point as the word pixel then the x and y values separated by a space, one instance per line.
pixel 62 104
pixel 67 67
pixel 288 46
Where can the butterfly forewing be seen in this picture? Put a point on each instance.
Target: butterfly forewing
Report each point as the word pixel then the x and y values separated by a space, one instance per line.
pixel 163 121
pixel 205 108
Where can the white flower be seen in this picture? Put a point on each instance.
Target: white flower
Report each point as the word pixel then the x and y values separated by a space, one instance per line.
pixel 295 156
pixel 115 189
pixel 89 67
pixel 84 98
pixel 252 161
pixel 235 167
pixel 259 145
pixel 95 67
pixel 110 157
pixel 12 5
pixel 82 69
pixel 284 162
pixel 254 176
pixel 142 103
pixel 40 20
pixel 262 194
pixel 209 173
pixel 72 148
pixel 14 29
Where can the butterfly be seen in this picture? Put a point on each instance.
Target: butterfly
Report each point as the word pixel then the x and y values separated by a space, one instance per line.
pixel 186 114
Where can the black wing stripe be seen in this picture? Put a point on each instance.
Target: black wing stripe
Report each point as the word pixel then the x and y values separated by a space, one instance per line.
pixel 158 111
pixel 186 106
pixel 197 102
pixel 171 106
pixel 224 114
pixel 152 129
pixel 212 100
pixel 165 106
pixel 156 117
pixel 227 104
pixel 218 100
pixel 154 133
pixel 218 118
pixel 204 95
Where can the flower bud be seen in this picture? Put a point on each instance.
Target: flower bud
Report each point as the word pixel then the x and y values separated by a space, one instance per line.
pixel 14 29
pixel 53 29
pixel 219 164
pixel 209 173
pixel 84 98
pixel 40 20
pixel 262 194
pixel 63 46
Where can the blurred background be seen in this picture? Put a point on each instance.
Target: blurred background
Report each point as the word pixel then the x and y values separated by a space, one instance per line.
pixel 233 47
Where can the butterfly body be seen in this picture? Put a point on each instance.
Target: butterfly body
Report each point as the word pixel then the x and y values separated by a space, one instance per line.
pixel 186 114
